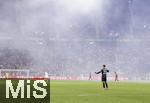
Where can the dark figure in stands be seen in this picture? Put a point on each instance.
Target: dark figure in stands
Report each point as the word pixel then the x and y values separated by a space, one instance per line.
pixel 104 71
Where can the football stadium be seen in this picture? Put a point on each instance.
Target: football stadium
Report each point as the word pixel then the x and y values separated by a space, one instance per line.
pixel 74 51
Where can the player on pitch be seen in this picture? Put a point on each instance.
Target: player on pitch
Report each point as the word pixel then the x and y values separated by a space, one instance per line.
pixel 116 77
pixel 104 71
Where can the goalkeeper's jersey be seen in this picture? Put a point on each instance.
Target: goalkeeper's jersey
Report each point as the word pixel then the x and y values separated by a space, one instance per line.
pixel 104 72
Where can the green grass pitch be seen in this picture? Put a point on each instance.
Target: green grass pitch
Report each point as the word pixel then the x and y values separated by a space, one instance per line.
pixel 92 92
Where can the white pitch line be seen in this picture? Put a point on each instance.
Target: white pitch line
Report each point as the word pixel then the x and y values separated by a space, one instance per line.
pixel 84 95
pixel 81 95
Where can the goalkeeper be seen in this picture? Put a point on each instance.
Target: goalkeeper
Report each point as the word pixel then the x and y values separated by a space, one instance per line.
pixel 104 71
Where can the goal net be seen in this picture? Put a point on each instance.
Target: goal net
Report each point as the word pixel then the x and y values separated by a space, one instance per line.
pixel 14 73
